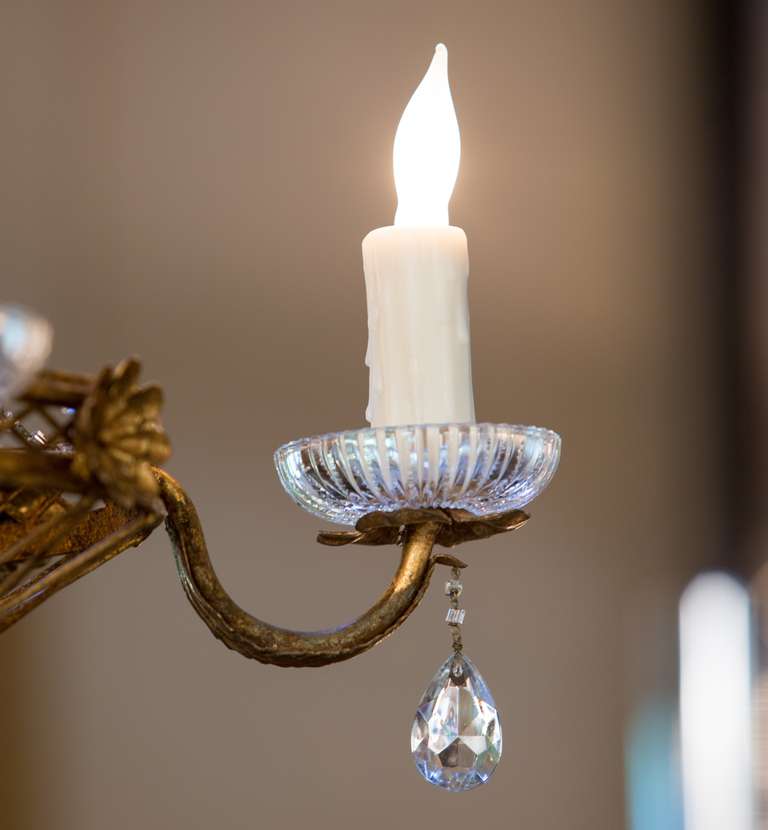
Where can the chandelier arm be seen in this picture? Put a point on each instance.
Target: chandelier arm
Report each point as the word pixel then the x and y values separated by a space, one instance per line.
pixel 37 469
pixel 18 543
pixel 65 389
pixel 28 596
pixel 267 643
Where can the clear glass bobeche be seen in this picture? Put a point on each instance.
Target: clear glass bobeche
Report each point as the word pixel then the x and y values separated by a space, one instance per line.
pixel 482 468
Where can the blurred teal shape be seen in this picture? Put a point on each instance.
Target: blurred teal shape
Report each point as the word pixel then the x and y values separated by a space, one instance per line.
pixel 652 762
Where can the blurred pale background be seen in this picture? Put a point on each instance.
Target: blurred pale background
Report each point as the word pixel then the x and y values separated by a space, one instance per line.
pixel 190 182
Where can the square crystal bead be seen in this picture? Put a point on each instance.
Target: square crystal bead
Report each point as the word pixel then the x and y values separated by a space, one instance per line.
pixel 453 588
pixel 455 616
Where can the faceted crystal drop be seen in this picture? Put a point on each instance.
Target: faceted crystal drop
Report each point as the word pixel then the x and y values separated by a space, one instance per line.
pixel 456 734
pixel 25 341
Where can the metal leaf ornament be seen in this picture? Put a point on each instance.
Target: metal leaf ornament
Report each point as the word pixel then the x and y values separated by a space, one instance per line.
pixel 456 526
pixel 118 437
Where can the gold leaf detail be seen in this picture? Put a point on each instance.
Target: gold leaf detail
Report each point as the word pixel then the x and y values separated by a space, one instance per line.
pixel 457 527
pixel 118 437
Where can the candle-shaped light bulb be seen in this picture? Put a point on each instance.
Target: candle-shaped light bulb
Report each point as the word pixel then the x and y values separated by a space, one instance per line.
pixel 427 149
pixel 416 273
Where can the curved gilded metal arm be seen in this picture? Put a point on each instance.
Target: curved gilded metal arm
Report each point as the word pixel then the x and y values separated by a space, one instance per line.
pixel 101 444
pixel 279 646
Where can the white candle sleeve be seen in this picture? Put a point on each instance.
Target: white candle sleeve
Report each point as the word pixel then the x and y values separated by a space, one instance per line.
pixel 418 326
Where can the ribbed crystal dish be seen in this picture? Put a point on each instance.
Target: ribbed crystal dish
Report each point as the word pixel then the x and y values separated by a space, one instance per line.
pixel 482 468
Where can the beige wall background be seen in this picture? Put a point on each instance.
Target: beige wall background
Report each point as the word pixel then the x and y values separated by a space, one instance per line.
pixel 190 182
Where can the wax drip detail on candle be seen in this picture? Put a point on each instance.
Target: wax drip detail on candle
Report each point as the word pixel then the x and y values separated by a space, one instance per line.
pixel 427 149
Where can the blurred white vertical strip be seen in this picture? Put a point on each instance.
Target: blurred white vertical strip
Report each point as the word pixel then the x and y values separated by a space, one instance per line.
pixel 715 704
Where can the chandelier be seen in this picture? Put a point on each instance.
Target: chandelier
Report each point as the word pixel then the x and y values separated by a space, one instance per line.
pixel 81 477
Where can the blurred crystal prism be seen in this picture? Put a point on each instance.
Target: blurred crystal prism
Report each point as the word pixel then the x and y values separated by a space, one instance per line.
pixel 25 343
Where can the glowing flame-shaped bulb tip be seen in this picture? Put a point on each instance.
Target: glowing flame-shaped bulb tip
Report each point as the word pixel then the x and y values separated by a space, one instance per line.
pixel 427 149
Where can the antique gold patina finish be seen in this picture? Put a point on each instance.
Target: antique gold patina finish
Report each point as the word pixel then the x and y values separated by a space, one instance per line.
pixel 454 527
pixel 268 643
pixel 117 436
pixel 79 484
pixel 74 491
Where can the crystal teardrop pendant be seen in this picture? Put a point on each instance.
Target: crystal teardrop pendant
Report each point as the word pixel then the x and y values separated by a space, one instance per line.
pixel 456 734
